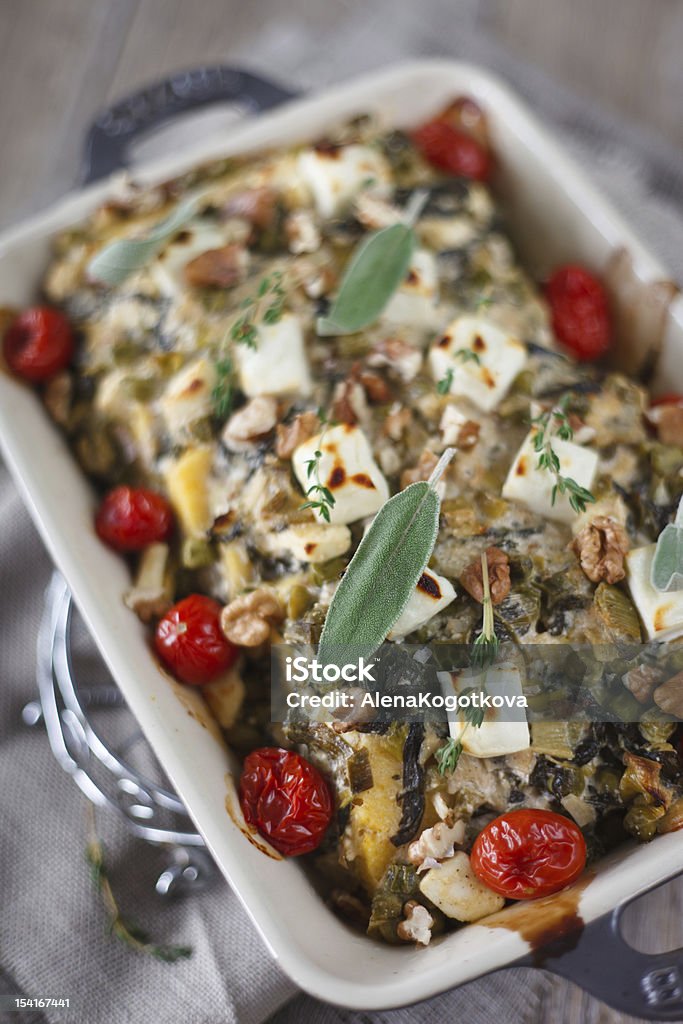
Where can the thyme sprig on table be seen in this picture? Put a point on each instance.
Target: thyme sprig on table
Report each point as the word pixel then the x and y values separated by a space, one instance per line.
pixel 484 654
pixel 266 306
pixel 125 931
pixel 466 355
pixel 321 498
pixel 550 424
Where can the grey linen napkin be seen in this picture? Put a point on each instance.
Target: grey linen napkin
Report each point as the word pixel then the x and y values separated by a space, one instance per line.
pixel 52 939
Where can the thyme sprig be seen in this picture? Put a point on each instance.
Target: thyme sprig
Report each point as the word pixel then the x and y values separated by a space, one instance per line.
pixel 321 498
pixel 485 648
pixel 223 393
pixel 266 306
pixel 125 931
pixel 550 424
pixel 484 653
pixel 466 355
pixel 448 755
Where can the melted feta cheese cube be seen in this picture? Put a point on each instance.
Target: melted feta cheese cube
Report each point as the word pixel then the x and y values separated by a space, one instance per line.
pixel 445 233
pixel 413 304
pixel 112 396
pixel 452 422
pixel 309 542
pixel 197 237
pixel 225 697
pixel 486 379
pixel 278 365
pixel 432 593
pixel 454 888
pixel 188 397
pixel 504 729
pixel 336 175
pixel 661 612
pixel 347 468
pixel 533 487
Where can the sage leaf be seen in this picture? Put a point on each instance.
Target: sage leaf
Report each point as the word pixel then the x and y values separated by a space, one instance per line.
pixel 374 272
pixel 383 573
pixel 118 260
pixel 667 565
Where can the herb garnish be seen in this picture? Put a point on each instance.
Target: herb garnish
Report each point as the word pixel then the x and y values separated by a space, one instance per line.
pixel 265 307
pixel 382 575
pixel 374 272
pixel 466 355
pixel 448 755
pixel 484 653
pixel 127 932
pixel 666 573
pixel 224 389
pixel 550 424
pixel 485 649
pixel 324 499
pixel 118 260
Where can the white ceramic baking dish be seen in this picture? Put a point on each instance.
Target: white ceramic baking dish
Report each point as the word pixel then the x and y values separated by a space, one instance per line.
pixel 555 215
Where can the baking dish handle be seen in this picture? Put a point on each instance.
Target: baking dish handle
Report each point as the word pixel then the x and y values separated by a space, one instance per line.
pixel 600 961
pixel 108 141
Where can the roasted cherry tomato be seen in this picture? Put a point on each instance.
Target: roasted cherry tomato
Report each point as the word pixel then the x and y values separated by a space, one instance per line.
pixel 466 114
pixel 190 642
pixel 453 150
pixel 525 854
pixel 671 398
pixel 286 799
pixel 130 518
pixel 580 312
pixel 38 344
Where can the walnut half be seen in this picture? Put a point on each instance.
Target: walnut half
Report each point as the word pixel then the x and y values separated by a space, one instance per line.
pixel 217 268
pixel 247 621
pixel 669 423
pixel 601 547
pixel 499 576
pixel 251 423
pixel 291 435
pixel 641 681
pixel 417 926
pixel 669 696
pixel 426 465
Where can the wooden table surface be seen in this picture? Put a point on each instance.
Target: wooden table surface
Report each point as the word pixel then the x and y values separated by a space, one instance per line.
pixel 62 60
